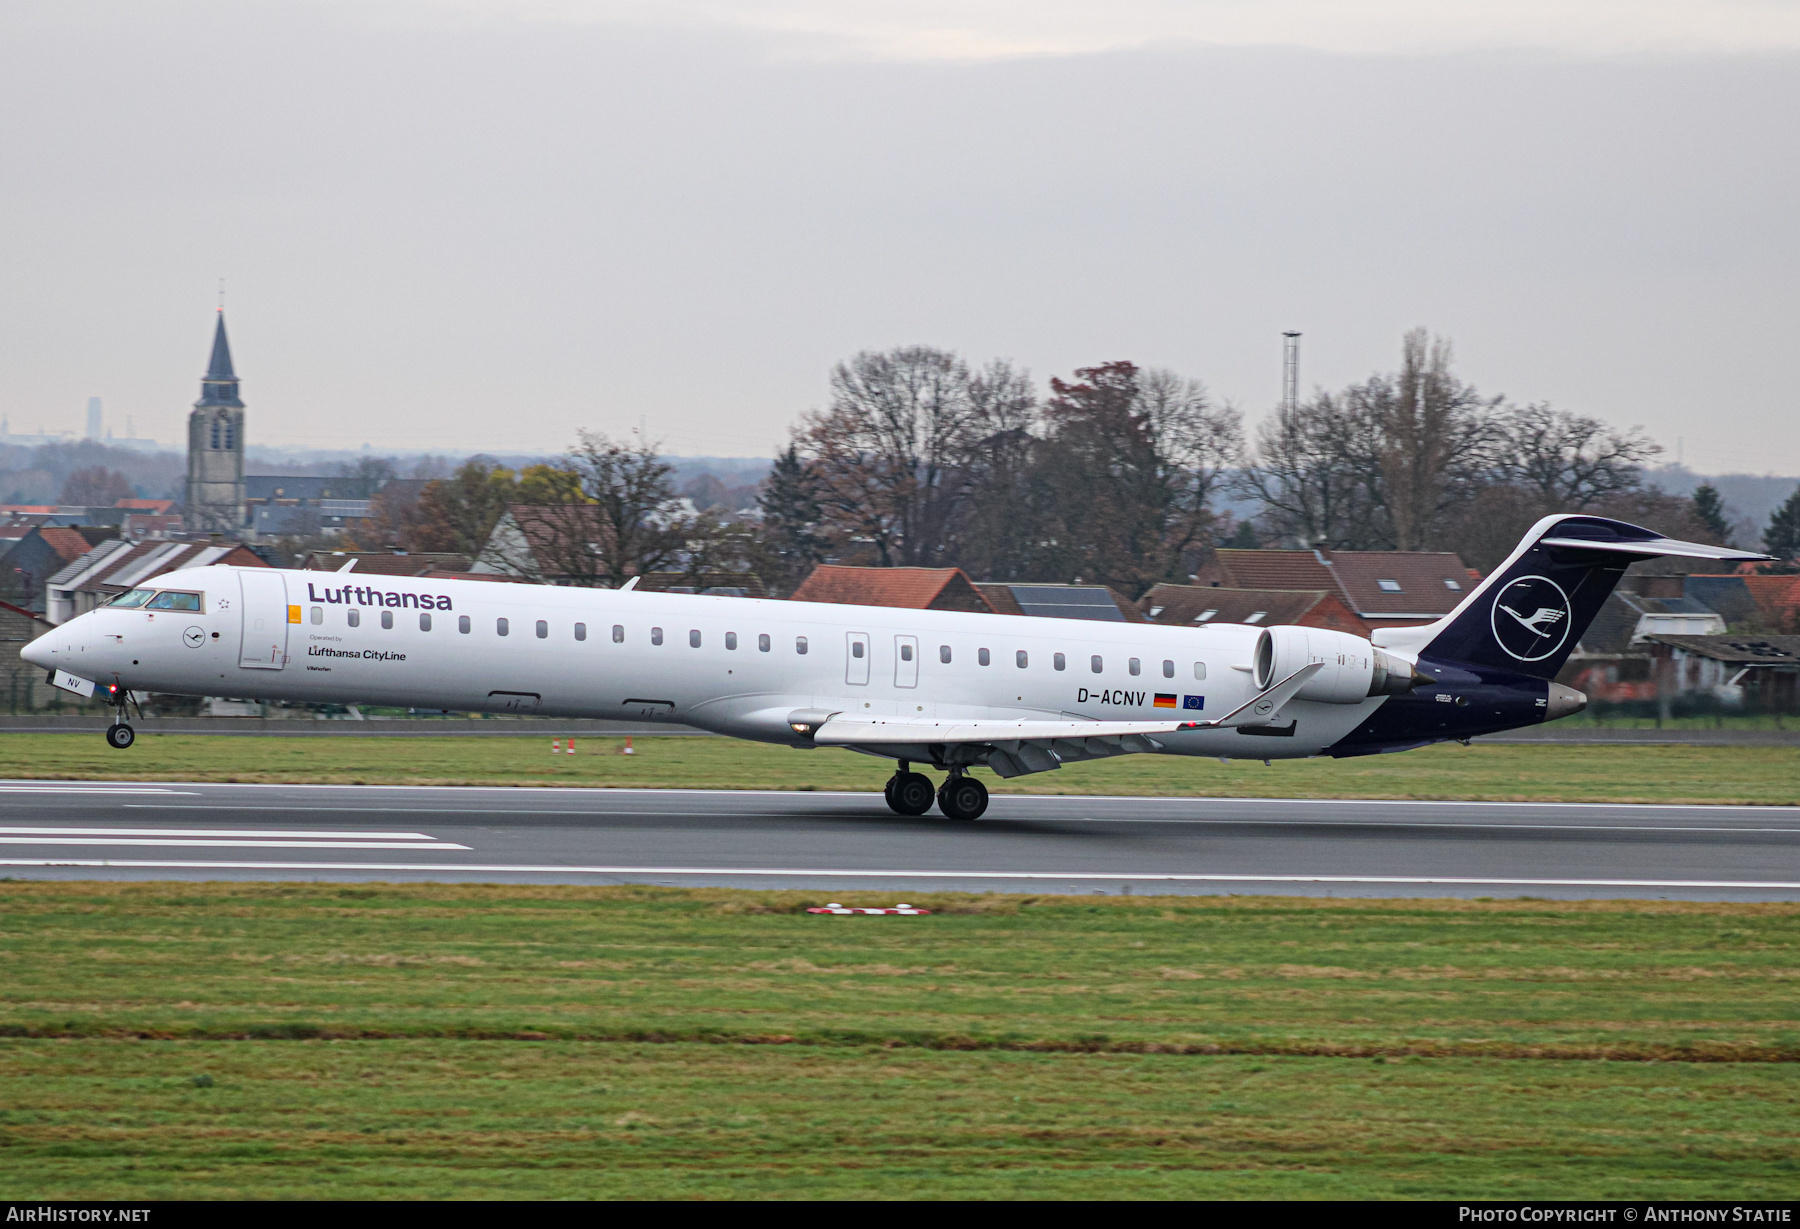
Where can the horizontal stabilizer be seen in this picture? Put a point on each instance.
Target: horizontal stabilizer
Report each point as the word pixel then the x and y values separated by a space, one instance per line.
pixel 1654 547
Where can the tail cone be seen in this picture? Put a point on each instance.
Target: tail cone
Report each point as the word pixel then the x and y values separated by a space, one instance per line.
pixel 1564 702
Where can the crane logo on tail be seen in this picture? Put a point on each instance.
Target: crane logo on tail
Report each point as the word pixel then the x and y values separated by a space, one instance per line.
pixel 1531 617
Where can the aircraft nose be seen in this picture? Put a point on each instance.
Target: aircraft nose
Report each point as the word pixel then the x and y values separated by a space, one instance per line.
pixel 37 653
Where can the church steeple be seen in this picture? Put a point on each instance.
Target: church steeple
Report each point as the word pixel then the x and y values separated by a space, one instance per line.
pixel 219 386
pixel 215 485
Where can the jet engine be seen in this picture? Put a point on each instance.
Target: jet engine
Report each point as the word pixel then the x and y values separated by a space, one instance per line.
pixel 1354 668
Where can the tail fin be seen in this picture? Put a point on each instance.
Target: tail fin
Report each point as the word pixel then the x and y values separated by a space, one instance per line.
pixel 1527 616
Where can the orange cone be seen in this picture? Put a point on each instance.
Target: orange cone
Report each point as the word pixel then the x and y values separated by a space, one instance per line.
pixel 626 750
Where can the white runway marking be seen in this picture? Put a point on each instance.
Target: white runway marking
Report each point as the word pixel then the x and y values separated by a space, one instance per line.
pixel 173 842
pixel 721 872
pixel 336 836
pixel 93 789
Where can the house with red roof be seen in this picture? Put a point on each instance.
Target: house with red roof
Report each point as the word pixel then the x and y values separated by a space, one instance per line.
pixel 1383 588
pixel 905 588
pixel 1198 605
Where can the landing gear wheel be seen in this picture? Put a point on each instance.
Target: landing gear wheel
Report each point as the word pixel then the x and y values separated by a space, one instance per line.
pixel 909 793
pixel 120 735
pixel 963 798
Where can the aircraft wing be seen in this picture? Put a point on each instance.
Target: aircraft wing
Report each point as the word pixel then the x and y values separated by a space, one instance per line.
pixel 841 731
pixel 867 731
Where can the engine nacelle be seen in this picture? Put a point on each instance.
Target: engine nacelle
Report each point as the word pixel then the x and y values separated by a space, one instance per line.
pixel 1354 668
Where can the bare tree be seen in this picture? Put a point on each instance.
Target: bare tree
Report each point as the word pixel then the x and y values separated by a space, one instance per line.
pixel 616 516
pixel 891 452
pixel 1435 438
pixel 1317 473
pixel 95 486
pixel 1380 465
pixel 1570 462
pixel 998 535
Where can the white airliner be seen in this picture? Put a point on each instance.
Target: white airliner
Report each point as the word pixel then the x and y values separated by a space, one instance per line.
pixel 952 690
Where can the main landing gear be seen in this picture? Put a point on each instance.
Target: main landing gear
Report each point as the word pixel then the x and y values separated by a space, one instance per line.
pixel 960 797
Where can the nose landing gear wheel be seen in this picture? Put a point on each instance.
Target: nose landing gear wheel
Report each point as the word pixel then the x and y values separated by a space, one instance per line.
pixel 120 735
pixel 909 793
pixel 963 798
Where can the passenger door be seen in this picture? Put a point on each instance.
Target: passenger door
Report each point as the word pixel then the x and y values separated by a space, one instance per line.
pixel 265 614
pixel 856 661
pixel 906 661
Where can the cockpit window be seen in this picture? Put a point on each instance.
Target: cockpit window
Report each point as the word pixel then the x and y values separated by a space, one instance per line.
pixel 127 601
pixel 174 601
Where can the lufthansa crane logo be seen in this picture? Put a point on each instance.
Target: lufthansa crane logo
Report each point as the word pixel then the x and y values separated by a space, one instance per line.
pixel 1531 617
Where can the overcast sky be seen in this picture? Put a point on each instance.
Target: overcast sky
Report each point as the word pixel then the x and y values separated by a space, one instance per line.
pixel 465 224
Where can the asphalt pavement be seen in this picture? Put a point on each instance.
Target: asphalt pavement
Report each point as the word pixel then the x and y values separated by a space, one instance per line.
pixel 840 841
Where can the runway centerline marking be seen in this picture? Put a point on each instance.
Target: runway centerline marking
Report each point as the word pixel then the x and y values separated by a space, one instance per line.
pixel 802 872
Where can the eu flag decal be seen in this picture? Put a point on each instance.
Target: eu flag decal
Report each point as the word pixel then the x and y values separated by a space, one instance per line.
pixel 1193 701
pixel 1163 700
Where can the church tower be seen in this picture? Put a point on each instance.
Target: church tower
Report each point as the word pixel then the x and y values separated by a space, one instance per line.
pixel 215 482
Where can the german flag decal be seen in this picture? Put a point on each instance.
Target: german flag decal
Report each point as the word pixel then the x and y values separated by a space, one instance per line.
pixel 1164 700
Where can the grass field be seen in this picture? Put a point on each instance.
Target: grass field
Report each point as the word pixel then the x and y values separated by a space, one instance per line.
pixel 1703 774
pixel 308 1041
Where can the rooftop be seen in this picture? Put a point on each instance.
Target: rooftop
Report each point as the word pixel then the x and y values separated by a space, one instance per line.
pixel 1199 605
pixel 1379 584
pixel 1739 650
pixel 1096 602
pixel 907 588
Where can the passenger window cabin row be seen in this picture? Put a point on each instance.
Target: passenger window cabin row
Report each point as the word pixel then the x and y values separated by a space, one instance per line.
pixel 503 627
pixel 1021 658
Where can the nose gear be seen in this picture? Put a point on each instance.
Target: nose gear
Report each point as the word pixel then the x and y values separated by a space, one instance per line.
pixel 119 734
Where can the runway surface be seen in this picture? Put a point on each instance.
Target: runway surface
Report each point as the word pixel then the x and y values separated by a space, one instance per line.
pixel 109 830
